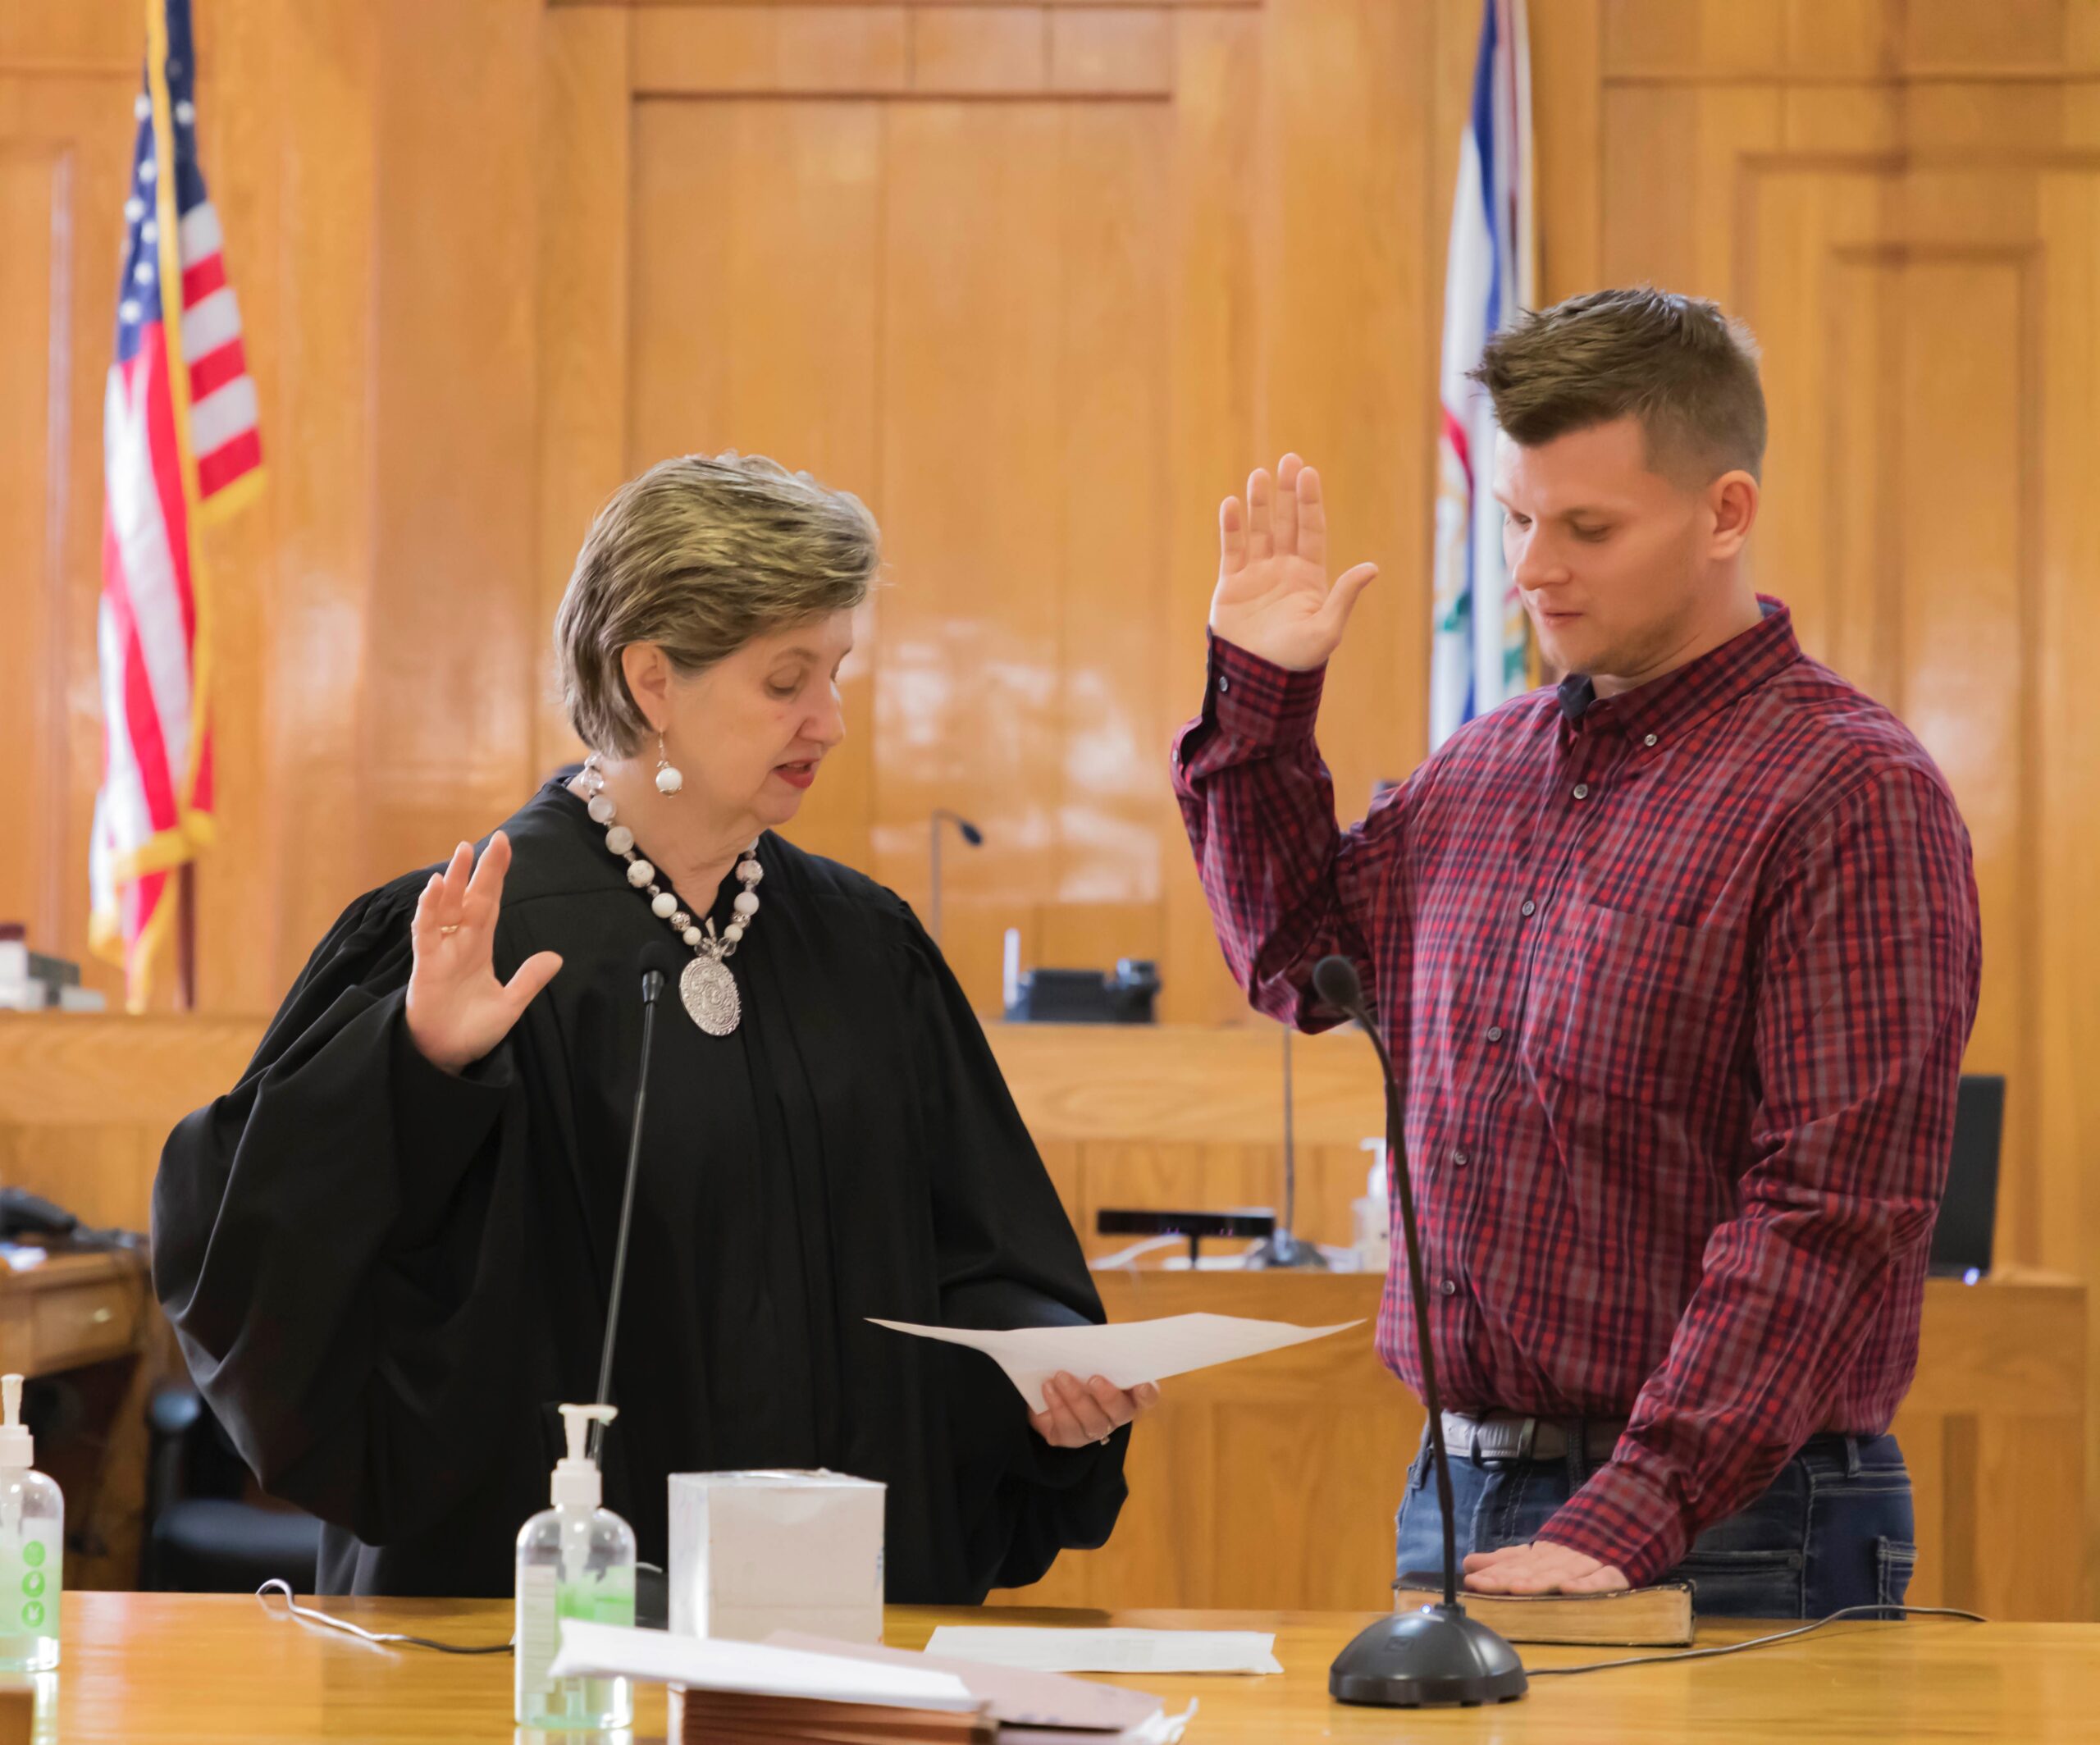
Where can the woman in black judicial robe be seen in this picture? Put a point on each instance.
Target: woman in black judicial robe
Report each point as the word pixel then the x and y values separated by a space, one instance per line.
pixel 386 1251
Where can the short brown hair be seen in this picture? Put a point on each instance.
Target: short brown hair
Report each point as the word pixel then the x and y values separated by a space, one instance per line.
pixel 1678 364
pixel 699 555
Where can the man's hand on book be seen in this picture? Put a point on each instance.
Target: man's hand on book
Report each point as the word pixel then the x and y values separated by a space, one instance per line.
pixel 1540 1567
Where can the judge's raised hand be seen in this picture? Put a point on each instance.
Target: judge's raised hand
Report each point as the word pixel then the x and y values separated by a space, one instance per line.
pixel 458 1011
pixel 1272 596
pixel 1082 1411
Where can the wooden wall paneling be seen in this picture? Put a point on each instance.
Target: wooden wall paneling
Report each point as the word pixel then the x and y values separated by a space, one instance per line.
pixel 987 51
pixel 585 171
pixel 1130 54
pixel 1568 123
pixel 447 727
pixel 1965 623
pixel 1214 370
pixel 968 697
pixel 2063 1028
pixel 1349 383
pixel 1172 1085
pixel 777 49
pixel 99 41
pixel 63 166
pixel 1115 818
pixel 1671 159
pixel 755 300
pixel 290 139
pixel 35 198
pixel 101 1173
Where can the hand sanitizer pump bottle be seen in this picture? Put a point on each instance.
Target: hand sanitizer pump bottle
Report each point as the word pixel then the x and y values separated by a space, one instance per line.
pixel 574 1561
pixel 32 1546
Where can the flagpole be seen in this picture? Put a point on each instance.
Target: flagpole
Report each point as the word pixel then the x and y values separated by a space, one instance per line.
pixel 185 937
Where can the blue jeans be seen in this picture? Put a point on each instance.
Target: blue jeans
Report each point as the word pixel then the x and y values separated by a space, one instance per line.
pixel 1833 1530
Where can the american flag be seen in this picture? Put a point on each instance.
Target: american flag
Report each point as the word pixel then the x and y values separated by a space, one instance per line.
pixel 179 446
pixel 1479 651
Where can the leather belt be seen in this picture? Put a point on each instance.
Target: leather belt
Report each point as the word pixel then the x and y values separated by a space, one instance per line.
pixel 1511 1436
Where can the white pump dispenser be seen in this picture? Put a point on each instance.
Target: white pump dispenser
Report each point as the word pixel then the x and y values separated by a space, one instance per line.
pixel 577 1483
pixel 32 1545
pixel 575 1559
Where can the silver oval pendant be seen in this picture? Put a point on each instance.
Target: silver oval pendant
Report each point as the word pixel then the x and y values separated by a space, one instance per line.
pixel 710 994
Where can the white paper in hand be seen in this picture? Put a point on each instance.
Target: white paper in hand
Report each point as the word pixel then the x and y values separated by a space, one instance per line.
pixel 1127 1352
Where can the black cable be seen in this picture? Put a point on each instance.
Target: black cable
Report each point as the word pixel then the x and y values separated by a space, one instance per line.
pixel 1754 1642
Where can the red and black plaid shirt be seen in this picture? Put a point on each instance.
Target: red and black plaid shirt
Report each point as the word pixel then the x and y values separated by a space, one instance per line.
pixel 1678 984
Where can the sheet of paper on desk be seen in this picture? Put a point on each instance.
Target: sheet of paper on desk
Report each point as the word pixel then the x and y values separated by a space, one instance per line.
pixel 755 1669
pixel 1127 1352
pixel 1053 1710
pixel 1108 1650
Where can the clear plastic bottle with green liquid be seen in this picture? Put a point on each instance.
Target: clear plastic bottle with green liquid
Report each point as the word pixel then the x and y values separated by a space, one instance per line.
pixel 574 1561
pixel 32 1546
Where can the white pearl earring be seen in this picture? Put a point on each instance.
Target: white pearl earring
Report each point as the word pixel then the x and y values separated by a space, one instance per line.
pixel 669 778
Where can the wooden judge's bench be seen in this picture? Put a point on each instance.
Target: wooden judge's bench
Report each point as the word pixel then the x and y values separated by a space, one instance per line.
pixel 1266 1485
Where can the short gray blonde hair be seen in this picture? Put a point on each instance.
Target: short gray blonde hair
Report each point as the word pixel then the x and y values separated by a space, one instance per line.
pixel 699 555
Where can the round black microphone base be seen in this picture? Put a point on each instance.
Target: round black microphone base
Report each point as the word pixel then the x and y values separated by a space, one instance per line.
pixel 1434 1657
pixel 1283 1249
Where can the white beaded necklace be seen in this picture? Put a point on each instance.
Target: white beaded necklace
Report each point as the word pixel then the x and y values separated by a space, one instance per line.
pixel 707 989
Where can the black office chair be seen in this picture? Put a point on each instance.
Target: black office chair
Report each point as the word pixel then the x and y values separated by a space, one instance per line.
pixel 204 1531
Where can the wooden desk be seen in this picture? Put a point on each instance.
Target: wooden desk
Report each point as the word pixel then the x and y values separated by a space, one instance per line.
pixel 73 1310
pixel 197 1669
pixel 92 1317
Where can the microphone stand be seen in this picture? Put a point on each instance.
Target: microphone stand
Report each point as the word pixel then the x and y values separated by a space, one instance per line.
pixel 1283 1249
pixel 652 986
pixel 969 833
pixel 1436 1655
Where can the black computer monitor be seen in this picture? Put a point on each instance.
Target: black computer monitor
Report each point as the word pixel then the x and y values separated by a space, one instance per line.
pixel 1969 1212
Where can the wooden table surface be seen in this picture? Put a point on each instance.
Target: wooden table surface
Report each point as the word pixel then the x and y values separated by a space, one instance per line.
pixel 156 1669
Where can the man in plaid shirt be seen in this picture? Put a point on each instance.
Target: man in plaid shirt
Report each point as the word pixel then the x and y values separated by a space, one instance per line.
pixel 1677 962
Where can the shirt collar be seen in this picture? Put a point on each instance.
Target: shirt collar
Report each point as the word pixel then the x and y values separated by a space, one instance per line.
pixel 1664 708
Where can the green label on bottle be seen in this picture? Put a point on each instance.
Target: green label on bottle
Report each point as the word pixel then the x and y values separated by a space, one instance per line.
pixel 30 1571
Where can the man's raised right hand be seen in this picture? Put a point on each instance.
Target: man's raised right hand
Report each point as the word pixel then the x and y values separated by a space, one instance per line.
pixel 1272 596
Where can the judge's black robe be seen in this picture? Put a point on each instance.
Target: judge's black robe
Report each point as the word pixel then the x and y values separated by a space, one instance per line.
pixel 385 1278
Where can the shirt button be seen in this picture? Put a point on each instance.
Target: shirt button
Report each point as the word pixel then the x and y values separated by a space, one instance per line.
pixel 1650 740
pixel 1449 1287
pixel 1225 685
pixel 1460 1158
pixel 1581 790
pixel 1495 1033
pixel 1529 909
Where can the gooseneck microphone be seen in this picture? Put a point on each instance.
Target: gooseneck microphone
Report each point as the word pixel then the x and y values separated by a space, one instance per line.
pixel 659 962
pixel 1437 1654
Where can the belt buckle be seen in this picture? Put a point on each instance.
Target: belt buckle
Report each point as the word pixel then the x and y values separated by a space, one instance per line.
pixel 1527 1435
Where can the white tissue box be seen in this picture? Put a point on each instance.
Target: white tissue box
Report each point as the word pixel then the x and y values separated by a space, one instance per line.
pixel 755 1553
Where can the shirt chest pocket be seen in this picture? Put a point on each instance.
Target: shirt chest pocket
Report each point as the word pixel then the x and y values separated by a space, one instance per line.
pixel 1634 1006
